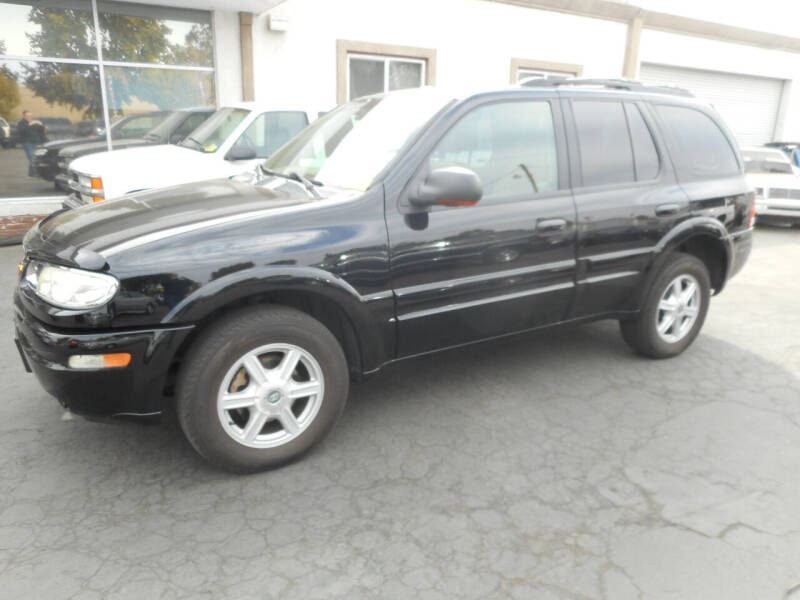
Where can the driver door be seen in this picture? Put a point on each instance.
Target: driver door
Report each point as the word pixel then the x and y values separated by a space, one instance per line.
pixel 507 264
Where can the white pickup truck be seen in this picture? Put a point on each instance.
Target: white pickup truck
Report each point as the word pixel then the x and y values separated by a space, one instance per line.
pixel 232 140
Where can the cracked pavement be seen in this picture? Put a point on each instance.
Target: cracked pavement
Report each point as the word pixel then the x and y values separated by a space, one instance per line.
pixel 555 465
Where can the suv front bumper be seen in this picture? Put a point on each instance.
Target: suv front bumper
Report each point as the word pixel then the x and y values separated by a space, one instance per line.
pixel 122 392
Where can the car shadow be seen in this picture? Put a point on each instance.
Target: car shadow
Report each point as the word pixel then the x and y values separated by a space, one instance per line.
pixel 447 400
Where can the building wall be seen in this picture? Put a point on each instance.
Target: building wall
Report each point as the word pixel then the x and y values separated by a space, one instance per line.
pixel 698 53
pixel 475 41
pixel 227 57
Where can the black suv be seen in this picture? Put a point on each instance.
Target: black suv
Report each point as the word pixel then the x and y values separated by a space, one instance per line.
pixel 394 226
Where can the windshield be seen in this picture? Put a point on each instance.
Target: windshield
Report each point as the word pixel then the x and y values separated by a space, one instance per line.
pixel 766 162
pixel 215 130
pixel 348 147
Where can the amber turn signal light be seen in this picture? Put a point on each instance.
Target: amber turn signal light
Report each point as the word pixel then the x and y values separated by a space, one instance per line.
pixel 99 361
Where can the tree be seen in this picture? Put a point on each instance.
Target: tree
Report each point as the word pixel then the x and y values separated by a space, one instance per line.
pixel 69 32
pixel 9 89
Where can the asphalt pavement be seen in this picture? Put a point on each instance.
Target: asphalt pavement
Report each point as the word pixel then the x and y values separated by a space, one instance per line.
pixel 556 465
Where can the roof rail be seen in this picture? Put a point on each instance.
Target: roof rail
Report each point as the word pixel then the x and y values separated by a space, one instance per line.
pixel 615 84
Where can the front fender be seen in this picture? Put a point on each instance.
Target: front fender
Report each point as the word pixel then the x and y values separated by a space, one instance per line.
pixel 371 316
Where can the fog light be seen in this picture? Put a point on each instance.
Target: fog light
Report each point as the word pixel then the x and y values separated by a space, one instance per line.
pixel 99 361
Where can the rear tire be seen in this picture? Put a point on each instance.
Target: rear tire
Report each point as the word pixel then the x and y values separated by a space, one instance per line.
pixel 260 388
pixel 673 310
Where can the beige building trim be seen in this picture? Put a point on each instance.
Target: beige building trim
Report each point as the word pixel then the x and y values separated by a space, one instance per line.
pixel 524 63
pixel 246 42
pixel 344 47
pixel 626 13
pixel 630 64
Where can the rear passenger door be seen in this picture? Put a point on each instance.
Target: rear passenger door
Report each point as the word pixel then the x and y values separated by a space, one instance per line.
pixel 506 264
pixel 626 194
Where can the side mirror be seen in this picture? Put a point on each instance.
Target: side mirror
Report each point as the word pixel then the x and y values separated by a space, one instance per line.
pixel 451 186
pixel 241 153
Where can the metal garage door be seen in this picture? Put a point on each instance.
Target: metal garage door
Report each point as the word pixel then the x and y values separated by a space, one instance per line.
pixel 748 104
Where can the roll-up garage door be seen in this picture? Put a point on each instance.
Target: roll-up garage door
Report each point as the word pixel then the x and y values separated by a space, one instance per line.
pixel 749 105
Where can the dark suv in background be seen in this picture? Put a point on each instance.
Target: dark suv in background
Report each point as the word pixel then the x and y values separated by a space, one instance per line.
pixel 394 226
pixel 45 156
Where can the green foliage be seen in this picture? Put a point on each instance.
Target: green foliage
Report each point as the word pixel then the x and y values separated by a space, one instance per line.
pixel 9 94
pixel 69 32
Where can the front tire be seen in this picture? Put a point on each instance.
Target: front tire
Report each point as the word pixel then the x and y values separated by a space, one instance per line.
pixel 260 388
pixel 673 311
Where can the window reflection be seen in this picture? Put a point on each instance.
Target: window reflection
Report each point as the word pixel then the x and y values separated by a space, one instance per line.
pixel 143 89
pixel 156 35
pixel 56 29
pixel 67 114
pixel 59 97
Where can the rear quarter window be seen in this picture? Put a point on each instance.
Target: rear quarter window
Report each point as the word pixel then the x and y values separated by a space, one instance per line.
pixel 698 146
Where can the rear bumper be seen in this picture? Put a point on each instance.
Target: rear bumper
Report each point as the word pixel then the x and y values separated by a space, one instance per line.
pixel 128 392
pixel 782 211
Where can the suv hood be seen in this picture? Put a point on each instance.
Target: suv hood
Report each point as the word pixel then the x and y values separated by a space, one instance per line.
pixel 85 236
pixel 100 146
pixel 141 159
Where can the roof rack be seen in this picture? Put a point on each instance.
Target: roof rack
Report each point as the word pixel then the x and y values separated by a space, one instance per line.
pixel 630 85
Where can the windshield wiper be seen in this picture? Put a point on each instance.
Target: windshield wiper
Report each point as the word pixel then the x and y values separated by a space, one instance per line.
pixel 307 183
pixel 189 138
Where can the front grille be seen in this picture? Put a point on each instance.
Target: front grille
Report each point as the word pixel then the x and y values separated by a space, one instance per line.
pixel 786 193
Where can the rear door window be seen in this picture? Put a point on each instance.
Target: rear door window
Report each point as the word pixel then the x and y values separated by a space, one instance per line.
pixel 605 146
pixel 696 143
pixel 644 149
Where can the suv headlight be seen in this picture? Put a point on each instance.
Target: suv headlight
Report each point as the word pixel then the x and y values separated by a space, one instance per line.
pixel 66 287
pixel 40 152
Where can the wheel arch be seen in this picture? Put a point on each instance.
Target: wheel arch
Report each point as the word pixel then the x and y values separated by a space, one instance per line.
pixel 702 237
pixel 321 295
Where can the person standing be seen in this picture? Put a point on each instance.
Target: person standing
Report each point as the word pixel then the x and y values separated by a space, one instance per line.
pixel 28 136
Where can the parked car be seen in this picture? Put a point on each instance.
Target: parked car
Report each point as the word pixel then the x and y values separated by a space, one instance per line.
pixel 791 149
pixel 777 184
pixel 233 139
pixel 90 127
pixel 394 226
pixel 5 133
pixel 46 156
pixel 57 128
pixel 168 128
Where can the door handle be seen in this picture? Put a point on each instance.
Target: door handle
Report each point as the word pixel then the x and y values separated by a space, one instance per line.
pixel 663 210
pixel 551 225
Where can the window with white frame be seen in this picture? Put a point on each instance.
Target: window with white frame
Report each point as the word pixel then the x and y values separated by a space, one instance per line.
pixel 523 74
pixel 373 74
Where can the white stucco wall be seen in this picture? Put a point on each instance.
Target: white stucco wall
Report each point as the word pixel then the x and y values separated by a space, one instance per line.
pixel 699 53
pixel 227 57
pixel 475 41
